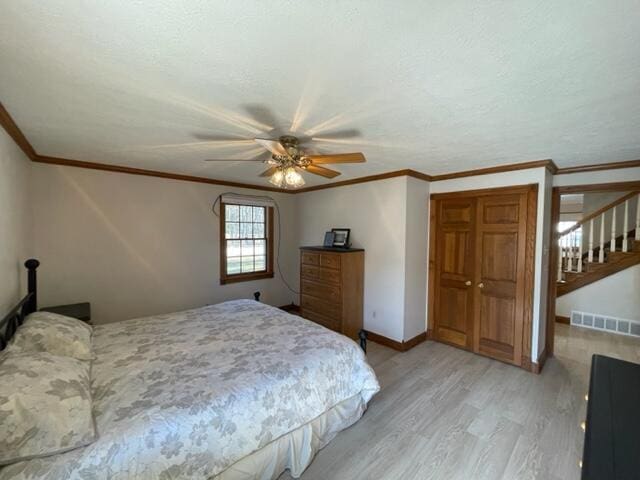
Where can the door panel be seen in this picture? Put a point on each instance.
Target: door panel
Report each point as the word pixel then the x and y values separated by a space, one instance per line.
pixel 499 282
pixel 454 272
pixel 496 265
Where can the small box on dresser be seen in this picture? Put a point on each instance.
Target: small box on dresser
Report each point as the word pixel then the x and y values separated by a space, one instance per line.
pixel 332 288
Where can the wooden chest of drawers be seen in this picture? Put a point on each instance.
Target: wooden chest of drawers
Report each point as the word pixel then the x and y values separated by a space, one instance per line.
pixel 331 288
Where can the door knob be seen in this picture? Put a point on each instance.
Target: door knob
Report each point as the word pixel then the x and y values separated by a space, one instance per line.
pixel 481 285
pixel 468 283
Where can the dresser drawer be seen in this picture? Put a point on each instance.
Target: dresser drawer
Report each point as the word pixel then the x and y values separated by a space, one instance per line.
pixel 310 258
pixel 321 306
pixel 330 260
pixel 319 274
pixel 331 293
pixel 330 323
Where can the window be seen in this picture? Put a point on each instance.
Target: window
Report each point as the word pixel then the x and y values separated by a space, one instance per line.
pixel 246 246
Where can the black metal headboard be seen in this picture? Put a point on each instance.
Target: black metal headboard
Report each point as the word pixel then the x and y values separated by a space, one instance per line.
pixel 29 304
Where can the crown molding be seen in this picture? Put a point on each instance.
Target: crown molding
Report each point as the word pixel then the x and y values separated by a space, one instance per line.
pixel 106 167
pixel 7 122
pixel 548 164
pixel 368 178
pixel 14 132
pixel 598 167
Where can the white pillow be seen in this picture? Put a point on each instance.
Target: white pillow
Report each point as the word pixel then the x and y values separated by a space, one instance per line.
pixel 45 406
pixel 55 334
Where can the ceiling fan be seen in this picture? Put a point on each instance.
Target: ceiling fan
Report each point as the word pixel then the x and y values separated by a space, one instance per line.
pixel 287 160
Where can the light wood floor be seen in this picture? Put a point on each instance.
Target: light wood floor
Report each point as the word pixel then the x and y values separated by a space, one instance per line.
pixel 444 413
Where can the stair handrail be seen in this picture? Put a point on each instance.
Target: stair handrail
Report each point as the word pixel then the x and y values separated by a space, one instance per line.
pixel 599 212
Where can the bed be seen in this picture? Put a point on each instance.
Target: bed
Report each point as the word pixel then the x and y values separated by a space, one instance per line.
pixel 237 390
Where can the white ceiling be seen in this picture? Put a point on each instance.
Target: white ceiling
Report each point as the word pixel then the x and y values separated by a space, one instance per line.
pixel 435 86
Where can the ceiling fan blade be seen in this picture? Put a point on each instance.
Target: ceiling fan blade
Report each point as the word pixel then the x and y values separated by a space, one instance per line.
pixel 323 172
pixel 337 158
pixel 222 138
pixel 233 160
pixel 269 172
pixel 339 134
pixel 273 146
pixel 263 115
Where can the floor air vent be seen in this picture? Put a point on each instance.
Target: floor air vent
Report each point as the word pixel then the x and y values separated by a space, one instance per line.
pixel 608 324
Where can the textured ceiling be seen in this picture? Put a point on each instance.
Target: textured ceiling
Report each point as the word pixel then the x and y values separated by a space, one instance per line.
pixel 435 86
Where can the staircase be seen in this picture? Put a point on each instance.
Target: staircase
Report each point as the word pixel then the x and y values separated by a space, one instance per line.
pixel 612 253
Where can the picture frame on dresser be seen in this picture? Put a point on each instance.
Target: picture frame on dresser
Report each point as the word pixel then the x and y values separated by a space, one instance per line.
pixel 341 237
pixel 328 239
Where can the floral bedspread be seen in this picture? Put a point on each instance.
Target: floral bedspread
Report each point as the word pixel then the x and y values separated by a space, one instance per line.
pixel 185 395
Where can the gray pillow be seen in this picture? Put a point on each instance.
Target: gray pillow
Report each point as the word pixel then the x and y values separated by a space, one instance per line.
pixel 45 406
pixel 53 333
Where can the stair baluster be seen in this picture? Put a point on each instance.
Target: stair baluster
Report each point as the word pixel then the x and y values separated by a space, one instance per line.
pixel 570 252
pixel 574 249
pixel 625 243
pixel 613 231
pixel 590 241
pixel 601 252
pixel 638 220
pixel 559 259
pixel 579 240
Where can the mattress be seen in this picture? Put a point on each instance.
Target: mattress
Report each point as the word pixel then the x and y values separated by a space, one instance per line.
pixel 216 392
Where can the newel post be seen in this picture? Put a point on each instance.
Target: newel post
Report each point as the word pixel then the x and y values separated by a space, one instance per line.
pixel 32 285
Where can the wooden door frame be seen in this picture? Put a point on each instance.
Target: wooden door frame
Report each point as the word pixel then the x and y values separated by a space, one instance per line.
pixel 532 217
pixel 553 238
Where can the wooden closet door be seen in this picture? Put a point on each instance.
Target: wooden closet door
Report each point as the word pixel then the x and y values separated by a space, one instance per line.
pixel 500 247
pixel 454 272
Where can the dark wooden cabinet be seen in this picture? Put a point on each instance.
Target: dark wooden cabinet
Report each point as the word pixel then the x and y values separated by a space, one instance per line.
pixel 612 435
pixel 332 287
pixel 484 271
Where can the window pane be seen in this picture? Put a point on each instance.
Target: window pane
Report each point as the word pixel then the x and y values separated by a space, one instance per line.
pixel 247 264
pixel 233 265
pixel 246 230
pixel 245 213
pixel 258 214
pixel 232 213
pixel 233 248
pixel 258 230
pixel 247 247
pixel 232 230
pixel 261 263
pixel 245 237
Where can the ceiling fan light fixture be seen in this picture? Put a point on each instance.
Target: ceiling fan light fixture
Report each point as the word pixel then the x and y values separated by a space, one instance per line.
pixel 277 179
pixel 292 178
pixel 287 177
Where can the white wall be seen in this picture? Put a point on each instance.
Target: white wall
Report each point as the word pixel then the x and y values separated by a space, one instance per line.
pixel 15 221
pixel 136 246
pixel 376 214
pixel 417 258
pixel 543 178
pixel 545 193
pixel 616 295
